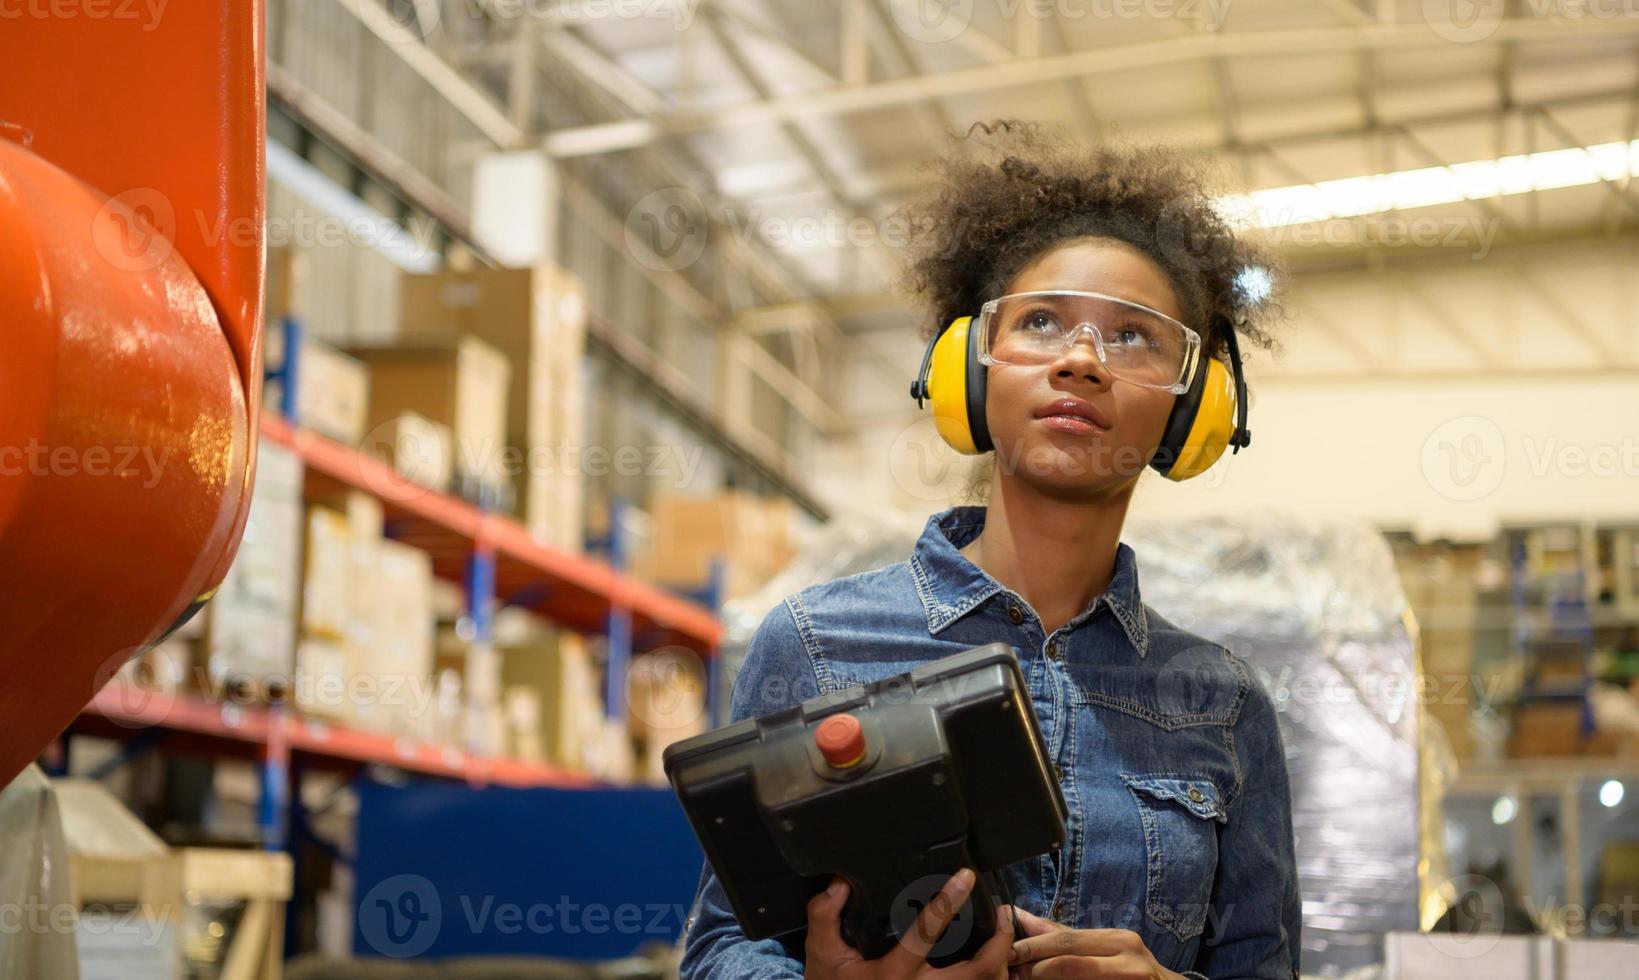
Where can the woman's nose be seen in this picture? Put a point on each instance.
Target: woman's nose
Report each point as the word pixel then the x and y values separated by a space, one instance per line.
pixel 1080 357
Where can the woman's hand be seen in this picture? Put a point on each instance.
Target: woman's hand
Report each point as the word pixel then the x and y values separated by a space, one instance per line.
pixel 1050 951
pixel 829 957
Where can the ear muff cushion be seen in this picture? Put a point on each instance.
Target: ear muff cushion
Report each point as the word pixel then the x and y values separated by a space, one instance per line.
pixel 1201 423
pixel 978 376
pixel 948 388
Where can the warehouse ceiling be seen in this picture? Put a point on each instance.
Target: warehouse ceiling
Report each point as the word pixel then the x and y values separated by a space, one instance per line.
pixel 793 129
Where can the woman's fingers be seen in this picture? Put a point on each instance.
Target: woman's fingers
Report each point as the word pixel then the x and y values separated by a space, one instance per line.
pixel 1065 941
pixel 825 942
pixel 1031 924
pixel 990 961
pixel 924 932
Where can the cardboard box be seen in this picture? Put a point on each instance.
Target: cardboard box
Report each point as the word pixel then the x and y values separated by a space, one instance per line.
pixel 327 600
pixel 537 318
pixel 398 660
pixel 332 389
pixel 250 632
pixel 332 392
pixel 457 381
pixel 420 449
pixel 1553 729
pixel 525 741
pixel 324 672
pixel 753 536
pixel 665 697
pixel 558 669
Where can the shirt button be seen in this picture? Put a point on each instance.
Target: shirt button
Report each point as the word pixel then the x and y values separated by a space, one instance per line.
pixel 1058 774
pixel 1195 795
pixel 1053 649
pixel 1015 614
pixel 1058 911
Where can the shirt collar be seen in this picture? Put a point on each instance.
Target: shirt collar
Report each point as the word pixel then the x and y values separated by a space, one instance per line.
pixel 951 586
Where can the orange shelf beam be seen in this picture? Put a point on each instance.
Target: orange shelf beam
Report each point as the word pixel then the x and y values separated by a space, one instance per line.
pixel 123 707
pixel 579 590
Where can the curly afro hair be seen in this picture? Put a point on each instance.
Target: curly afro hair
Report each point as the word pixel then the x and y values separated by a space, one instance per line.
pixel 1017 190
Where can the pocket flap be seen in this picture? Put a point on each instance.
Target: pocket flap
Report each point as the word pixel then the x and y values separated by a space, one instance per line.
pixel 1198 796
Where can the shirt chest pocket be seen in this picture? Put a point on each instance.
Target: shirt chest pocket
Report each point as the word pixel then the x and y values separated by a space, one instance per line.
pixel 1180 816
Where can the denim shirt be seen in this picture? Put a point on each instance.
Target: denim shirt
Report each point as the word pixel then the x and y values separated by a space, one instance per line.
pixel 1166 746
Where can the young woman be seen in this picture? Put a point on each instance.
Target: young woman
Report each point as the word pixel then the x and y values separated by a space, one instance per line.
pixel 1101 284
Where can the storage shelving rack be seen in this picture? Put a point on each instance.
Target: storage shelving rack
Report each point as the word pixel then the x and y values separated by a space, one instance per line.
pixel 499 563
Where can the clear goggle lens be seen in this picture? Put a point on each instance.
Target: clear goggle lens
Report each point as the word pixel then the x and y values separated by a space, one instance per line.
pixel 1135 343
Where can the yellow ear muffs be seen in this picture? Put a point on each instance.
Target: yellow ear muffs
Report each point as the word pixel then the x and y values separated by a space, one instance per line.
pixel 953 380
pixel 1200 426
pixel 1207 418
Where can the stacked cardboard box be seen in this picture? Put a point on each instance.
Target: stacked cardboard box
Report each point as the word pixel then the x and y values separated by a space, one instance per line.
pixel 250 633
pixel 459 382
pixel 1554 729
pixel 421 450
pixel 752 535
pixel 332 389
pixel 553 668
pixel 1442 588
pixel 666 700
pixel 536 317
pixel 366 654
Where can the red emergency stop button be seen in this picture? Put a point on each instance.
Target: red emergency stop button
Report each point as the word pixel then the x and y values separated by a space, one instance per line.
pixel 841 739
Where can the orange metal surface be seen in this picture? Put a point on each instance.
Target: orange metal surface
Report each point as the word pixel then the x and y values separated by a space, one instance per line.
pixel 130 306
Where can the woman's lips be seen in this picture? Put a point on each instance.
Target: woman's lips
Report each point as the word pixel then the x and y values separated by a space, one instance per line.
pixel 1073 425
pixel 1073 416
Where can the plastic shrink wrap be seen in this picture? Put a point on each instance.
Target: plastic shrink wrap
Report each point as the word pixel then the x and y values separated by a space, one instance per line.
pixel 1318 611
pixel 36 934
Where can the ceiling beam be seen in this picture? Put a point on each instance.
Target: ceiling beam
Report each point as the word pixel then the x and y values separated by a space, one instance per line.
pixel 628 134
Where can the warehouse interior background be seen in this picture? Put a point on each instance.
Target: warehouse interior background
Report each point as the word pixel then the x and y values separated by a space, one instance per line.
pixel 586 345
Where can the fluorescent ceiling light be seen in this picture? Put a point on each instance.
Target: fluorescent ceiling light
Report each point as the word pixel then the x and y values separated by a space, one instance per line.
pixel 1350 197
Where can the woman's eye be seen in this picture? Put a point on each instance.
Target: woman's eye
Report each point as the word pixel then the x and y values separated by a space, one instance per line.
pixel 1134 336
pixel 1040 322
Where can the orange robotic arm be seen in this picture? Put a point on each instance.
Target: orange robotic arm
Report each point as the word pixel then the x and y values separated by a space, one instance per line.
pixel 132 206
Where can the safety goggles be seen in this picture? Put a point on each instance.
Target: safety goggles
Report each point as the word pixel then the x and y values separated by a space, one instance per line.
pixel 1134 343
